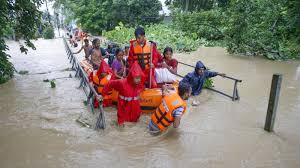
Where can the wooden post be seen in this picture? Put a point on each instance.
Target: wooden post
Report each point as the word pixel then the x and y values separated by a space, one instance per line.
pixel 273 102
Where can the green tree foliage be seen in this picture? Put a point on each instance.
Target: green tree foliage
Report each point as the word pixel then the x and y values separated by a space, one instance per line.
pixel 252 27
pixel 98 15
pixel 195 5
pixel 206 24
pixel 22 18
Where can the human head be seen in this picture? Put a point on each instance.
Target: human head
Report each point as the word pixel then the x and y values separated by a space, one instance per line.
pixel 119 53
pixel 139 35
pixel 137 80
pixel 96 43
pixel 103 74
pixel 109 46
pixel 71 36
pixel 168 52
pixel 136 76
pixel 126 48
pixel 200 68
pixel 86 42
pixel 184 90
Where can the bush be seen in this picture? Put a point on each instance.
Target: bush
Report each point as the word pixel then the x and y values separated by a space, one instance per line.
pixel 48 32
pixel 268 28
pixel 163 35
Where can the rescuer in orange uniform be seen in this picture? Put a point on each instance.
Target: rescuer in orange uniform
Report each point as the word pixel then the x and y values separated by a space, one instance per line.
pixel 141 51
pixel 171 109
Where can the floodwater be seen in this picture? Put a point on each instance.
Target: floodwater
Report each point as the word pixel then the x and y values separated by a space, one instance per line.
pixel 38 128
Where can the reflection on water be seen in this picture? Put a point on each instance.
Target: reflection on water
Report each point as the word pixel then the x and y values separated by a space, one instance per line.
pixel 38 127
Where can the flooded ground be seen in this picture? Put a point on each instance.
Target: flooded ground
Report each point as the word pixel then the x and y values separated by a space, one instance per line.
pixel 38 128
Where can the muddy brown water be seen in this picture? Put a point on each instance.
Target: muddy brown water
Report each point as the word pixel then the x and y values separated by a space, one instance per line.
pixel 38 128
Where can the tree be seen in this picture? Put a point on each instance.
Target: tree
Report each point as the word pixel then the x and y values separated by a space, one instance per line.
pixel 23 18
pixel 195 5
pixel 98 15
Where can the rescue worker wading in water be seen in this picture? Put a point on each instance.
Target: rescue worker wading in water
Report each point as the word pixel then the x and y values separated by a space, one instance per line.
pixel 171 109
pixel 140 51
pixel 129 89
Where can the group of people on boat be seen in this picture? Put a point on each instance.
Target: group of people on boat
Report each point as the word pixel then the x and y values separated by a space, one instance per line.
pixel 133 70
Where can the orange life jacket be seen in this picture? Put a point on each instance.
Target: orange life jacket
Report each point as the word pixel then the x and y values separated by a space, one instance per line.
pixel 142 54
pixel 162 116
pixel 100 84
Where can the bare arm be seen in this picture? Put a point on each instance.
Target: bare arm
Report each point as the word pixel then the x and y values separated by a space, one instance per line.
pixel 176 122
pixel 221 74
pixel 78 50
pixel 112 84
pixel 172 70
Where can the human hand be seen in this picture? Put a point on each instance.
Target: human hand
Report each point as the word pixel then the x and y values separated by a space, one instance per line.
pixel 165 90
pixel 195 103
pixel 152 65
pixel 99 98
pixel 164 65
pixel 222 74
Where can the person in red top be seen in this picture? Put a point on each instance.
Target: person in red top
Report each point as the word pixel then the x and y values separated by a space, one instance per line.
pixel 140 51
pixel 168 62
pixel 104 70
pixel 129 89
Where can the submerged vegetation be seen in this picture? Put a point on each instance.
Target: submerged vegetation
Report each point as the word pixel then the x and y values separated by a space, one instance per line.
pixel 23 72
pixel 52 83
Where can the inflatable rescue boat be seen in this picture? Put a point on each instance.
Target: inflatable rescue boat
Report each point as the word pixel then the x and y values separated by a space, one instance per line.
pixel 150 99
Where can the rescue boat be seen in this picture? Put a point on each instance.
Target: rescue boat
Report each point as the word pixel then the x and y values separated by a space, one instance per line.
pixel 150 99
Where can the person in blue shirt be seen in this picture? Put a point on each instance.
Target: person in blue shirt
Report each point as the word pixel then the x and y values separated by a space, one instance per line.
pixel 197 78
